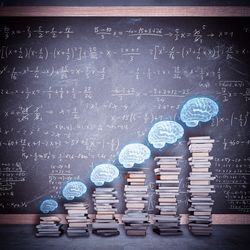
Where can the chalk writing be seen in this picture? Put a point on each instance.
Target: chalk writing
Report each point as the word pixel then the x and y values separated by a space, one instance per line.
pixel 39 32
pixel 74 93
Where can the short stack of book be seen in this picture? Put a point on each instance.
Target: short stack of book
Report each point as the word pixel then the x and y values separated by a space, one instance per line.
pixel 105 223
pixel 49 227
pixel 167 222
pixel 200 188
pixel 77 219
pixel 135 218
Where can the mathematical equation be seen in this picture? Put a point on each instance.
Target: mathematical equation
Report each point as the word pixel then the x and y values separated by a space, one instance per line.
pixel 202 75
pixel 50 93
pixel 131 54
pixel 59 174
pixel 238 200
pixel 15 205
pixel 234 119
pixel 197 35
pixel 233 180
pixel 234 89
pixel 10 175
pixel 39 32
pixel 62 73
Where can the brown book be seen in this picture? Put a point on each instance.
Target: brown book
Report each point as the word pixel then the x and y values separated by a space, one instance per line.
pixel 202 213
pixel 104 216
pixel 136 180
pixel 137 175
pixel 50 218
pixel 203 170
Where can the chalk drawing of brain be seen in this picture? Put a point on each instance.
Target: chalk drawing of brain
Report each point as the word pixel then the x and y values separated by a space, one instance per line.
pixel 74 189
pixel 165 132
pixel 134 153
pixel 48 205
pixel 104 173
pixel 199 109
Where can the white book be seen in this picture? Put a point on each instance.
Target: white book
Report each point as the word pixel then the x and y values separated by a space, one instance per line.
pixel 104 189
pixel 199 137
pixel 174 163
pixel 167 181
pixel 167 158
pixel 105 198
pixel 200 187
pixel 135 172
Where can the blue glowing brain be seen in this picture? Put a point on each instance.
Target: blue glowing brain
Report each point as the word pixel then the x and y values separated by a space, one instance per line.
pixel 104 173
pixel 74 189
pixel 165 132
pixel 48 205
pixel 200 109
pixel 133 153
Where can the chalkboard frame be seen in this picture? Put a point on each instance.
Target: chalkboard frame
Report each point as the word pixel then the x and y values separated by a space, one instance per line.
pixel 128 11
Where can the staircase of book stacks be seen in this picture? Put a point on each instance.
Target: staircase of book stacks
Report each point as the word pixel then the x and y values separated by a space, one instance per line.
pixel 49 227
pixel 77 218
pixel 135 218
pixel 105 224
pixel 200 188
pixel 167 222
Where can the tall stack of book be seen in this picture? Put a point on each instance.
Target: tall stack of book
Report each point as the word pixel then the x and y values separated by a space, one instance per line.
pixel 49 227
pixel 105 223
pixel 167 222
pixel 77 219
pixel 200 188
pixel 135 218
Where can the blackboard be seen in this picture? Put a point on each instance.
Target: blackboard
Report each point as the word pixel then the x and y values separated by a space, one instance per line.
pixel 126 3
pixel 74 91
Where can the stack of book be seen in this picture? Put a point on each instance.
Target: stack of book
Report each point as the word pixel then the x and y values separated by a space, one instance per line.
pixel 49 227
pixel 105 223
pixel 200 188
pixel 167 222
pixel 77 219
pixel 135 218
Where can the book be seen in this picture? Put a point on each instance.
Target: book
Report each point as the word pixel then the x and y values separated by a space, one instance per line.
pixel 77 219
pixel 167 188
pixel 200 187
pixel 105 223
pixel 135 192
pixel 49 226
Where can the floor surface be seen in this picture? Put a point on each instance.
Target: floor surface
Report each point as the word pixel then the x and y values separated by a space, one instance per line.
pixel 21 237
